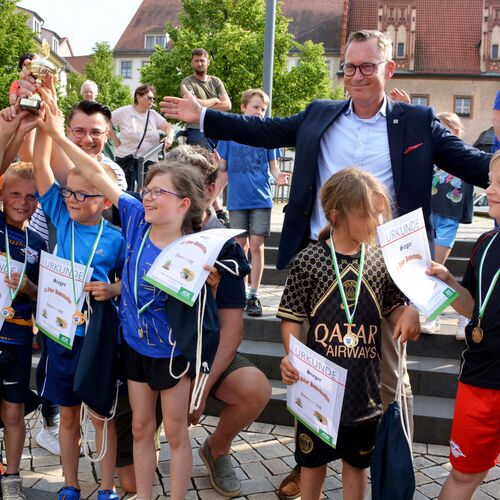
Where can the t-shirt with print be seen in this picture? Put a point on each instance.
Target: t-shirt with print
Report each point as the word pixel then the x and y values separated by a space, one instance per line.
pixel 18 330
pixel 481 361
pixel 131 124
pixel 110 252
pixel 248 183
pixel 207 89
pixel 311 292
pixel 154 340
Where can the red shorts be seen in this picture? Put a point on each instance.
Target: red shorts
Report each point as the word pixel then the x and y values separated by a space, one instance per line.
pixel 475 434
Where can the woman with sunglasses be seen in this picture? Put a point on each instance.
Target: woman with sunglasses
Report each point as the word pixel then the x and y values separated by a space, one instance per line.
pixel 140 127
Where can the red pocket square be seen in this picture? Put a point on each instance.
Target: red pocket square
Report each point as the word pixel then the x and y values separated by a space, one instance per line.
pixel 409 149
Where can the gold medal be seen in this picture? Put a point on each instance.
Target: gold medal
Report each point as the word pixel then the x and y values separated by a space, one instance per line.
pixel 350 339
pixel 477 334
pixel 8 312
pixel 79 318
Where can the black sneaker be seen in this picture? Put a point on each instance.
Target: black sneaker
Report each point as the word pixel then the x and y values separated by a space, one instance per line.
pixel 223 218
pixel 254 308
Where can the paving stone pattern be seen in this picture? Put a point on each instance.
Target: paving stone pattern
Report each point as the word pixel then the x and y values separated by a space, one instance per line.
pixel 262 455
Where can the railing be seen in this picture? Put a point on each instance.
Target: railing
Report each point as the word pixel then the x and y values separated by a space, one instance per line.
pixel 158 149
pixel 285 163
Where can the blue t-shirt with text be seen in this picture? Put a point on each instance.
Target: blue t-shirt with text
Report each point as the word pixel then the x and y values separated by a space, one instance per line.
pixel 248 183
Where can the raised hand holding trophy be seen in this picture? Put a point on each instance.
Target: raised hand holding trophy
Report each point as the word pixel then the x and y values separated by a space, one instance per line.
pixel 39 68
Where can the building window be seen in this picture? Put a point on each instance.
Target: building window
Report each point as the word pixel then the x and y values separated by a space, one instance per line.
pixel 55 45
pixel 400 52
pixel 126 69
pixel 36 26
pixel 150 41
pixel 463 106
pixel 143 63
pixel 494 51
pixel 420 100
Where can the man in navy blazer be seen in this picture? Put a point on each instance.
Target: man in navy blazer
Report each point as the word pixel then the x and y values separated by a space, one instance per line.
pixel 396 142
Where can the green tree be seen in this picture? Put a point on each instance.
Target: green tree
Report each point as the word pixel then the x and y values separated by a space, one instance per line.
pixel 112 91
pixel 15 39
pixel 232 31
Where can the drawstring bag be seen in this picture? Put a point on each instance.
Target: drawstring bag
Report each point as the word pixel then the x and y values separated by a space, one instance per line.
pixel 95 376
pixel 392 474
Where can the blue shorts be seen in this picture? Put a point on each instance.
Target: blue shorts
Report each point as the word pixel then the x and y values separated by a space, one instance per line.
pixel 446 230
pixel 15 365
pixel 60 372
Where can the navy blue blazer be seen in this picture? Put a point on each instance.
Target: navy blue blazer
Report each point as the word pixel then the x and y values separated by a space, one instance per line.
pixel 417 141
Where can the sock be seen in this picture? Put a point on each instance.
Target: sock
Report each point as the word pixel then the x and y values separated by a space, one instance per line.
pixel 253 292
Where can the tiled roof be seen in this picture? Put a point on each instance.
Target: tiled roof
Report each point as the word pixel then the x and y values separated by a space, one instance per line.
pixel 78 62
pixel 316 20
pixel 448 32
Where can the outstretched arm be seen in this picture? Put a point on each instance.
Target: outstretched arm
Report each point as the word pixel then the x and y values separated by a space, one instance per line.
pixel 88 166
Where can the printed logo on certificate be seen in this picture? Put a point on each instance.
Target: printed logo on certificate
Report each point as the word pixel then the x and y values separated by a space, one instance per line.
pixel 56 311
pixel 407 255
pixel 178 270
pixel 316 398
pixel 6 311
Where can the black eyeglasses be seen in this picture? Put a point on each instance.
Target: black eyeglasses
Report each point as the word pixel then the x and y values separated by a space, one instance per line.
pixel 78 195
pixel 366 69
pixel 80 132
pixel 154 192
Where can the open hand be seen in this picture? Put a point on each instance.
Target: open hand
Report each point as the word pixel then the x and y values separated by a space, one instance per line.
pixel 186 109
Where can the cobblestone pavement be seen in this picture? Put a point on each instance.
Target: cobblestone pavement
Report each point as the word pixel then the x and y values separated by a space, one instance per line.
pixel 262 456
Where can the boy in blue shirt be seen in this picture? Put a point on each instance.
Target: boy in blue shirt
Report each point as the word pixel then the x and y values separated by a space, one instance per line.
pixel 22 245
pixel 77 208
pixel 249 197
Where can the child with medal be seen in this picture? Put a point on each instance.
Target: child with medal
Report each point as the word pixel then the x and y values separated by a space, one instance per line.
pixel 22 245
pixel 475 433
pixel 83 237
pixel 173 203
pixel 341 286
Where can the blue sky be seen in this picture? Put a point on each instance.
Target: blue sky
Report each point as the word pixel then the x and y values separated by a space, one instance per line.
pixel 85 22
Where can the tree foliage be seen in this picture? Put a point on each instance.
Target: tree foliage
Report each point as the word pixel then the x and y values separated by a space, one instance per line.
pixel 112 91
pixel 232 31
pixel 15 39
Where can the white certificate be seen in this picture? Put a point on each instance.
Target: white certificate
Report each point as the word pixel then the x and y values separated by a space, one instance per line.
pixel 178 270
pixel 316 399
pixel 5 300
pixel 406 253
pixel 56 299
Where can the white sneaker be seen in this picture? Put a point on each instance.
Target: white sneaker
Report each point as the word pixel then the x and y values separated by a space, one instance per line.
pixel 462 323
pixel 12 488
pixel 48 438
pixel 431 326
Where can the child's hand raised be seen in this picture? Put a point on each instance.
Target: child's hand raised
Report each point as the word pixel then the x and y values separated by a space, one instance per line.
pixel 50 119
pixel 289 375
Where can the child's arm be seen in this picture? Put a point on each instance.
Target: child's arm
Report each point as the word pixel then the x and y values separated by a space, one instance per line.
pixel 221 180
pixel 405 323
pixel 464 304
pixel 22 141
pixel 44 177
pixel 289 374
pixel 102 291
pixel 88 166
pixel 27 288
pixel 281 177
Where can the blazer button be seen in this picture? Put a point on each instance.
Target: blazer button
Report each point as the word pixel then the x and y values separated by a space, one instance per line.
pixel 306 213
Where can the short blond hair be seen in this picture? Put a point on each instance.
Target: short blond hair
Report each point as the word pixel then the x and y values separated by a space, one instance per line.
pixel 384 43
pixel 452 122
pixel 21 170
pixel 247 95
pixel 495 160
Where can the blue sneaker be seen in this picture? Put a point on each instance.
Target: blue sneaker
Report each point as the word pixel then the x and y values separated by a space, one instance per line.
pixel 107 495
pixel 69 493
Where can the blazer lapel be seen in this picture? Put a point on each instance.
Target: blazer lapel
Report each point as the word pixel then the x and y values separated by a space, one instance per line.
pixel 395 133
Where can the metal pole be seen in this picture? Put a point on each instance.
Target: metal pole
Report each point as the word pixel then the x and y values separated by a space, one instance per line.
pixel 267 77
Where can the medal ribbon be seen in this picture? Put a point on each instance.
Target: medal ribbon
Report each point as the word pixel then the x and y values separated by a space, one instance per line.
pixel 13 294
pixel 136 278
pixel 92 252
pixel 349 316
pixel 483 305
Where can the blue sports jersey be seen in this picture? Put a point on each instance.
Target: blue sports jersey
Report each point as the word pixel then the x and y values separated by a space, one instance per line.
pixel 153 322
pixel 248 183
pixel 18 330
pixel 110 252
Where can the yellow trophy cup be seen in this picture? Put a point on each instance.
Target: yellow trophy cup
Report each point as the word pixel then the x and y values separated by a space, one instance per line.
pixel 40 68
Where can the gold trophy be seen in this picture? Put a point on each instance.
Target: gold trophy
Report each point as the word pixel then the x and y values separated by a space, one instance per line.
pixel 40 68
